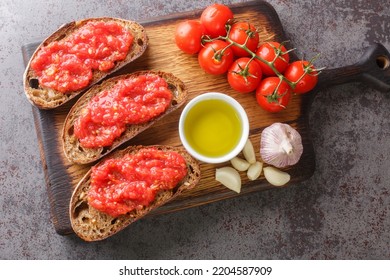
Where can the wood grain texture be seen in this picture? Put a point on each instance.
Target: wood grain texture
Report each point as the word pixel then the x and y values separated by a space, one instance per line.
pixel 162 54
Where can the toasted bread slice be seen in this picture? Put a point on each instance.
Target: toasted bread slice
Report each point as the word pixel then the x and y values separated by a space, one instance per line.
pixel 75 153
pixel 93 225
pixel 46 98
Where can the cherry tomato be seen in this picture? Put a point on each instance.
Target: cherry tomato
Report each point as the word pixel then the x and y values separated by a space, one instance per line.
pixel 270 97
pixel 244 77
pixel 188 36
pixel 295 71
pixel 214 18
pixel 239 33
pixel 268 52
pixel 215 58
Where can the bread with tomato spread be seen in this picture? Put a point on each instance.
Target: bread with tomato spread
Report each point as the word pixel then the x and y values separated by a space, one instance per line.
pixel 91 224
pixel 45 96
pixel 74 150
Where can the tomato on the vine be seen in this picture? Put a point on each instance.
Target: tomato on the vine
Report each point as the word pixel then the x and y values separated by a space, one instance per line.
pixel 214 19
pixel 216 57
pixel 188 36
pixel 244 75
pixel 268 51
pixel 300 68
pixel 244 32
pixel 273 94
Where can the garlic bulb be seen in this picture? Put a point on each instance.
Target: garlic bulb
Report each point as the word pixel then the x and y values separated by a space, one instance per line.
pixel 280 145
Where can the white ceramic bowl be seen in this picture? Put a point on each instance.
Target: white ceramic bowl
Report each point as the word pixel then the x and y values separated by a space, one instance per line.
pixel 244 127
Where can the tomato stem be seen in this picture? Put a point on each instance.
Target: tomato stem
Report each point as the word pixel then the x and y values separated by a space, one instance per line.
pixel 218 54
pixel 244 72
pixel 274 97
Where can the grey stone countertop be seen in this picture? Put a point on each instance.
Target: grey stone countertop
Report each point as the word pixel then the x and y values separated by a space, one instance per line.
pixel 341 212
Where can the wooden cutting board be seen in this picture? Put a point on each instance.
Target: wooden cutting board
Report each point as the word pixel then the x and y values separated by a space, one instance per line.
pixel 162 54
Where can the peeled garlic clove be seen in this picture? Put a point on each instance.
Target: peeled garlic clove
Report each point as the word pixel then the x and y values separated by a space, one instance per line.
pixel 229 177
pixel 249 152
pixel 280 145
pixel 240 164
pixel 275 176
pixel 254 170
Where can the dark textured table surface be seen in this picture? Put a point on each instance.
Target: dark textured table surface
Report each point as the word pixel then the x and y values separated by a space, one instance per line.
pixel 341 212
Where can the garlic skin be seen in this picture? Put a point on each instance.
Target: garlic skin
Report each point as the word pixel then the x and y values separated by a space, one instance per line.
pixel 280 145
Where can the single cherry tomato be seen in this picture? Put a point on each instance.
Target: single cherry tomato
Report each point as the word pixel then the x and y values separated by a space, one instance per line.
pixel 214 18
pixel 188 36
pixel 216 57
pixel 244 75
pixel 268 51
pixel 300 68
pixel 239 33
pixel 271 96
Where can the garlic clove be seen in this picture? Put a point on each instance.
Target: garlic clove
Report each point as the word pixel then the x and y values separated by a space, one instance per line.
pixel 254 170
pixel 240 164
pixel 280 145
pixel 229 177
pixel 249 152
pixel 275 176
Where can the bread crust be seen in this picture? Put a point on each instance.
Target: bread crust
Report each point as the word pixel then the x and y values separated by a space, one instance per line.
pixel 75 153
pixel 92 225
pixel 46 98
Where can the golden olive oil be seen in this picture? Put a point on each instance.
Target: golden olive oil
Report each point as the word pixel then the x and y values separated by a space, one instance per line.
pixel 213 127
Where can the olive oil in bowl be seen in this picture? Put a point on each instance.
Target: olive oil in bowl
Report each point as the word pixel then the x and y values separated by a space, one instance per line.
pixel 213 126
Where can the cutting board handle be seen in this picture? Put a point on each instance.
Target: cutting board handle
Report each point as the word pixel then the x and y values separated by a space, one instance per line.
pixel 373 69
